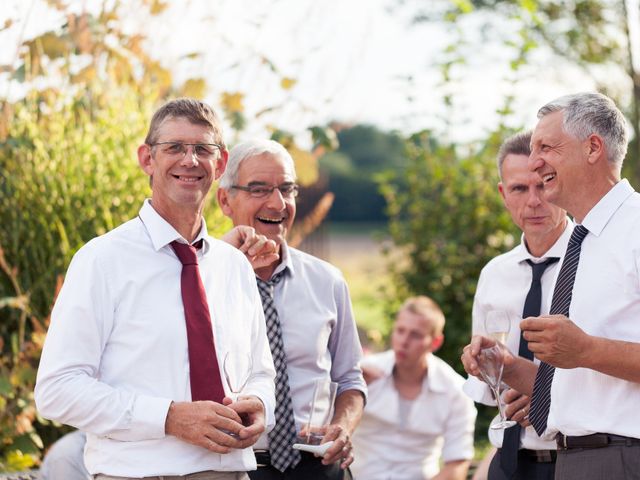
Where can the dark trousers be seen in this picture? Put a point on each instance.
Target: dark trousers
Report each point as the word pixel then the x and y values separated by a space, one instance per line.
pixel 615 462
pixel 309 468
pixel 528 469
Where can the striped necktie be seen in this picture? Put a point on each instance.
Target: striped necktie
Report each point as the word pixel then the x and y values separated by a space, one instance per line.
pixel 541 397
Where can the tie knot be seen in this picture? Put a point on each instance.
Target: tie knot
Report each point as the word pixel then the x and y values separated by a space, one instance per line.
pixel 266 288
pixel 537 269
pixel 186 253
pixel 579 232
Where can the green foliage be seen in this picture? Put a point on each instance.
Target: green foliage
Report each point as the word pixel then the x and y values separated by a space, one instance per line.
pixel 447 218
pixel 20 443
pixel 363 152
pixel 67 176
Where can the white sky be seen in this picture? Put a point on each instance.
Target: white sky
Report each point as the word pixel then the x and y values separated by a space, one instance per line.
pixel 352 60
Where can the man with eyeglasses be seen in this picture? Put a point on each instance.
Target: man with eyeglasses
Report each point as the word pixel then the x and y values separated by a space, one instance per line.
pixel 311 307
pixel 146 318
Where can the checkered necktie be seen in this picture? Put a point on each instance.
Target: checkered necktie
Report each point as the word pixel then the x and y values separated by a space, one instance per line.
pixel 283 435
pixel 561 300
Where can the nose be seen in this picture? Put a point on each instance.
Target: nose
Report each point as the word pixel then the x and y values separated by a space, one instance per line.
pixel 190 158
pixel 276 200
pixel 535 161
pixel 533 199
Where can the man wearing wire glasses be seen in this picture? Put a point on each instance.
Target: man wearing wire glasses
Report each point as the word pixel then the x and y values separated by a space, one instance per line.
pixel 310 325
pixel 145 318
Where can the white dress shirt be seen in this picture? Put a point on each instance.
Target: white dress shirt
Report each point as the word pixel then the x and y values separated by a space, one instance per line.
pixel 503 285
pixel 605 303
pixel 318 330
pixel 116 353
pixel 439 424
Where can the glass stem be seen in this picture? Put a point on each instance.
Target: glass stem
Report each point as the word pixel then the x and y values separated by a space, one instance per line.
pixel 496 392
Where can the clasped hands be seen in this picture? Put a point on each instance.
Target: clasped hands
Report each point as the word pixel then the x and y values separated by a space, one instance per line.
pixel 219 427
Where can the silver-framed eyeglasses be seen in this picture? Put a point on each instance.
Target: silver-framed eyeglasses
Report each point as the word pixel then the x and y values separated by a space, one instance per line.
pixel 260 190
pixel 202 151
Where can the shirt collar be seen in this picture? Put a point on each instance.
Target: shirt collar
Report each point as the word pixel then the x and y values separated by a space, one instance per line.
pixel 162 233
pixel 601 213
pixel 436 380
pixel 285 261
pixel 557 249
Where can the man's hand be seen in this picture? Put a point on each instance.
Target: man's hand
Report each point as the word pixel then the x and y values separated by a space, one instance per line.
pixel 259 250
pixel 251 410
pixel 205 424
pixel 556 340
pixel 470 353
pixel 340 451
pixel 517 407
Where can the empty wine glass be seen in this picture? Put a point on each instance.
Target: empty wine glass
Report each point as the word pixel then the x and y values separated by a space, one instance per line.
pixel 237 368
pixel 491 360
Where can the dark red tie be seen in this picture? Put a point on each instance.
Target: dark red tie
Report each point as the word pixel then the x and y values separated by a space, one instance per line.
pixel 204 371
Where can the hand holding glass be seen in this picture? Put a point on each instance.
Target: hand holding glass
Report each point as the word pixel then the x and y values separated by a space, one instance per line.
pixel 320 414
pixel 491 360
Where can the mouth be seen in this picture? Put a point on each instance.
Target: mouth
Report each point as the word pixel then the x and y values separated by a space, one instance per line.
pixel 187 178
pixel 271 220
pixel 547 177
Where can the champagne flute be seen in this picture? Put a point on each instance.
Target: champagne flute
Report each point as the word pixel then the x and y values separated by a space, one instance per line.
pixel 237 368
pixel 491 360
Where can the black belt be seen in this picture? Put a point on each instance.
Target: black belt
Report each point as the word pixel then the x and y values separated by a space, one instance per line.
pixel 263 457
pixel 596 440
pixel 539 456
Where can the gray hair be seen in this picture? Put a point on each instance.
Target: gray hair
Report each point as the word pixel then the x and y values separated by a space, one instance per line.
pixel 588 113
pixel 518 144
pixel 252 148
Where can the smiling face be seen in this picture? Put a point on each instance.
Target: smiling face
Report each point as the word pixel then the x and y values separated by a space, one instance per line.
pixel 523 196
pixel 271 216
pixel 561 162
pixel 180 183
pixel 412 338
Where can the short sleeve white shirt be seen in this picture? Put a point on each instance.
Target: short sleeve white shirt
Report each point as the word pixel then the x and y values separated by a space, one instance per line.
pixel 440 425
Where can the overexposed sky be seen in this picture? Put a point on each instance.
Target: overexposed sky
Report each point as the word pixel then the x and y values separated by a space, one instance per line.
pixel 354 61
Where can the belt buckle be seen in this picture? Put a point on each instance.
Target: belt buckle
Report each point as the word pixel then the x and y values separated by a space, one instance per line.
pixel 561 441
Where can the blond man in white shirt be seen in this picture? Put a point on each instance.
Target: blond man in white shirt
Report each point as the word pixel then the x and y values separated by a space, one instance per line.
pixel 578 148
pixel 115 362
pixel 417 414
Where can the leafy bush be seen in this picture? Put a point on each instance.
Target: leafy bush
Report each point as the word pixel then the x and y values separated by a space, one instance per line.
pixel 448 221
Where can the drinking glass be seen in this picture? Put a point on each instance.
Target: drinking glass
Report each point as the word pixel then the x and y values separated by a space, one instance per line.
pixel 321 411
pixel 237 368
pixel 491 360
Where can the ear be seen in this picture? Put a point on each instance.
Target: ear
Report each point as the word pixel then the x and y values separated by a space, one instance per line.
pixel 144 159
pixel 501 190
pixel 223 200
pixel 437 342
pixel 221 163
pixel 595 149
